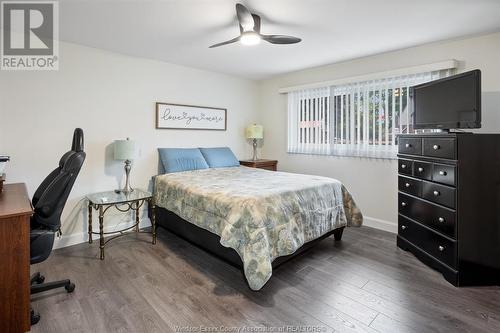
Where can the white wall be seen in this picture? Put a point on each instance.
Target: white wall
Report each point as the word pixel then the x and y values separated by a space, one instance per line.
pixel 373 183
pixel 110 96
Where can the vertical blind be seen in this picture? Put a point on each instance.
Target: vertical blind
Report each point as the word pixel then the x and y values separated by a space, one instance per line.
pixel 309 121
pixel 357 119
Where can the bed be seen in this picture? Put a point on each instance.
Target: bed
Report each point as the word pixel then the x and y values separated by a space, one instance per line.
pixel 253 218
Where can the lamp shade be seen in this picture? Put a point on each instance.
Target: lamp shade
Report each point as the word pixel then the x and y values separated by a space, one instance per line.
pixel 255 132
pixel 124 149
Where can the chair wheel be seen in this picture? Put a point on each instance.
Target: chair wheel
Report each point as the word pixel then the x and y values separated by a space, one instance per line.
pixel 40 279
pixel 34 318
pixel 70 287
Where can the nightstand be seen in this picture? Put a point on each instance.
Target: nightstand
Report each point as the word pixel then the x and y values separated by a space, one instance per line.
pixel 261 164
pixel 123 202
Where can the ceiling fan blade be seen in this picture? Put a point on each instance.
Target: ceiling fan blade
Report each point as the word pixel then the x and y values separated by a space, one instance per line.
pixel 244 17
pixel 234 40
pixel 280 39
pixel 256 25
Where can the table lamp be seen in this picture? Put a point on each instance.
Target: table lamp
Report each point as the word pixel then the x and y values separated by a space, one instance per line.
pixel 3 163
pixel 124 150
pixel 255 132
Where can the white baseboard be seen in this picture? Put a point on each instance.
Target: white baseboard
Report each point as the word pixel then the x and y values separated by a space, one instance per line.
pixel 380 224
pixel 83 237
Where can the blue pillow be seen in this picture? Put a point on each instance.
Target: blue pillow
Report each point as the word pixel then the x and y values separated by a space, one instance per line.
pixel 181 159
pixel 219 157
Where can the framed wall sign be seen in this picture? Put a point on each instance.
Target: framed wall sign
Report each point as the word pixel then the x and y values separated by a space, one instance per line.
pixel 178 116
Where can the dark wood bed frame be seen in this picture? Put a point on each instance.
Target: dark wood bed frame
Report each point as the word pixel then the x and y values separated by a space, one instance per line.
pixel 211 242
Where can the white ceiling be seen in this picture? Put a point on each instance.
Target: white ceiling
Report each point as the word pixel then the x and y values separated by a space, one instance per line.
pixel 180 31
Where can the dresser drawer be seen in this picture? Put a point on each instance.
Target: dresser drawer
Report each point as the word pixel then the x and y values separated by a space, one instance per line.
pixel 440 147
pixel 405 166
pixel 422 170
pixel 440 247
pixel 410 185
pixel 411 146
pixel 436 217
pixel 440 194
pixel 444 174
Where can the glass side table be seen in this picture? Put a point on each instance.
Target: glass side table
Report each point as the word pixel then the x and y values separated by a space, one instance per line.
pixel 134 200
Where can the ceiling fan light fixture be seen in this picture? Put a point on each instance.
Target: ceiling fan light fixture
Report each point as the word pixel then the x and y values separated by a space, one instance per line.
pixel 249 38
pixel 250 31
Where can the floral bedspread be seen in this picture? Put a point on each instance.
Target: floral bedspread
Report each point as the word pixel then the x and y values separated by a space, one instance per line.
pixel 261 214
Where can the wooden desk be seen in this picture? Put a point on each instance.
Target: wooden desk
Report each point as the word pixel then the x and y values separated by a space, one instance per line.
pixel 15 212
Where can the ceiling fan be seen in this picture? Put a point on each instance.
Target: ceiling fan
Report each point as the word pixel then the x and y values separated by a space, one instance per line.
pixel 250 31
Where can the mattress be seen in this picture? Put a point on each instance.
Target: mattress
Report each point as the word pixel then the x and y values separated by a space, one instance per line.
pixel 260 214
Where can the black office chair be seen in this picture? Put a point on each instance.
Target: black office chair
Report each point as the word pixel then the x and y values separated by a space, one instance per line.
pixel 48 202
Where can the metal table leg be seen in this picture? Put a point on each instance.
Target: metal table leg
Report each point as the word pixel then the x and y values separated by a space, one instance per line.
pixel 137 216
pixel 90 223
pixel 153 218
pixel 101 231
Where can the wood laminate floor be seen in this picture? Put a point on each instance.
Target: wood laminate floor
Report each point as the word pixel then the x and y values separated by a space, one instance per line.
pixel 361 284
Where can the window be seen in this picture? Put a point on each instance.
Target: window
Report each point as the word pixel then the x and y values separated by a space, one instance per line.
pixel 357 119
pixel 309 121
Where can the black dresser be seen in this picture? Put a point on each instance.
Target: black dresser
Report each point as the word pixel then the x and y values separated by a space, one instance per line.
pixel 449 204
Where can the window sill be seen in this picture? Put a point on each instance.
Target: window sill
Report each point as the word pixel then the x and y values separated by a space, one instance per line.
pixel 370 157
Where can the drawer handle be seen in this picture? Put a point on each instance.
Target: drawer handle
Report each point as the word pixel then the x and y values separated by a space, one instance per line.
pixel 407 145
pixel 442 173
pixel 403 227
pixel 407 185
pixel 420 169
pixel 441 220
pixel 403 166
pixel 403 204
pixel 441 248
pixel 436 147
pixel 436 193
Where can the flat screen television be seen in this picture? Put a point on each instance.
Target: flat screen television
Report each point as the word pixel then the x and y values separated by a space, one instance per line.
pixel 450 103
